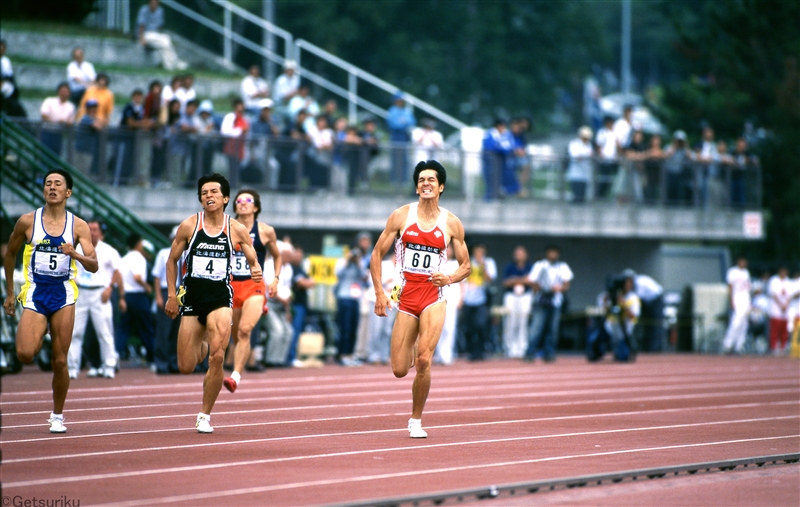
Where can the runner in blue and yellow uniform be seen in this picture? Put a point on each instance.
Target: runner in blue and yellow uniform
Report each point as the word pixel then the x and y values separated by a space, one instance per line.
pixel 48 296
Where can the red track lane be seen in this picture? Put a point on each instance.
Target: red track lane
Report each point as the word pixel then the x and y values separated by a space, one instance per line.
pixel 337 435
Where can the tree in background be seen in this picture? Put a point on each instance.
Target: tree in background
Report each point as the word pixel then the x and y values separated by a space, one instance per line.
pixel 63 11
pixel 742 60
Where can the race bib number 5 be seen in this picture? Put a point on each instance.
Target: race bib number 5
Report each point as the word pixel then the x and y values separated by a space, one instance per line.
pixel 240 265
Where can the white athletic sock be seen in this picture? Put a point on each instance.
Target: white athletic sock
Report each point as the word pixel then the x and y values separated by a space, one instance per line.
pixel 413 421
pixel 53 415
pixel 236 376
pixel 204 416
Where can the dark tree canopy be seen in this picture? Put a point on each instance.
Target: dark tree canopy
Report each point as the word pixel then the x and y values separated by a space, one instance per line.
pixel 63 11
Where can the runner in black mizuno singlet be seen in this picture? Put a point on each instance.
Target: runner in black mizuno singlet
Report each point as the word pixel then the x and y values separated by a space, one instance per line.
pixel 208 271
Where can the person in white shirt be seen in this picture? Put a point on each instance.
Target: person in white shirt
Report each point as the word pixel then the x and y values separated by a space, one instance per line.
pixel 80 75
pixel 59 109
pixel 623 128
pixel 150 25
pixel 138 316
pixel 779 291
pixel 608 146
pixel 303 100
pixel 57 112
pixel 426 140
pixel 380 329
pixel 165 355
pixel 186 92
pixel 95 303
pixel 579 172
pixel 286 85
pixel 739 286
pixel 651 296
pixel 550 279
pixel 254 89
pixel 446 348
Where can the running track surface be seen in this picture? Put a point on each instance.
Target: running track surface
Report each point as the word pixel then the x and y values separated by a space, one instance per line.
pixel 337 435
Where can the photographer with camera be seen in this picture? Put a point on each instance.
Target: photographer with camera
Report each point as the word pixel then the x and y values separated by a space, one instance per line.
pixel 351 275
pixel 623 308
pixel 550 279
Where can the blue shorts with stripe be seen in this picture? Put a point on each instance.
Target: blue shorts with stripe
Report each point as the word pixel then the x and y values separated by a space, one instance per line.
pixel 49 298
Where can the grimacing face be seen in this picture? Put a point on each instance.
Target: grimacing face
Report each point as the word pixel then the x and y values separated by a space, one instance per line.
pixel 428 185
pixel 211 196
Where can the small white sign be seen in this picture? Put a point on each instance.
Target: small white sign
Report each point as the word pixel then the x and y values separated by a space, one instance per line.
pixel 753 225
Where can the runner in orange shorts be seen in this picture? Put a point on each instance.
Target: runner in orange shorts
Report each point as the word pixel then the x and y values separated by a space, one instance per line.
pixel 248 296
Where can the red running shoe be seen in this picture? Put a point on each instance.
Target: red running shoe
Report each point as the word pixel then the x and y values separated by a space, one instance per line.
pixel 230 384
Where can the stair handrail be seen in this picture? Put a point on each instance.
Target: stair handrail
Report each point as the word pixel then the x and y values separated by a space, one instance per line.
pixel 41 159
pixel 357 72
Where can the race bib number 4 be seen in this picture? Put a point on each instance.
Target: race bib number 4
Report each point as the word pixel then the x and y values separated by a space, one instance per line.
pixel 210 268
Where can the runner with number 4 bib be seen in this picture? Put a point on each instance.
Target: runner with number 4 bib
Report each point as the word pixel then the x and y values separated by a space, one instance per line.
pixel 420 232
pixel 205 299
pixel 48 296
pixel 248 295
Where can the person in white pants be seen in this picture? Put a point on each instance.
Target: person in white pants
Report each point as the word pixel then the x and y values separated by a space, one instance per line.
pixel 95 303
pixel 446 348
pixel 738 279
pixel 150 22
pixel 518 301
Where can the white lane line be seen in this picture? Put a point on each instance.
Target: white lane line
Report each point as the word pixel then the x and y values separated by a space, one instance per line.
pixel 367 432
pixel 463 383
pixel 440 373
pixel 415 473
pixel 231 464
pixel 437 391
pixel 403 400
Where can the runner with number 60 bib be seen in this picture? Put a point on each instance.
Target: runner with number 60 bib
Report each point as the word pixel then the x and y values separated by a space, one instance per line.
pixel 420 232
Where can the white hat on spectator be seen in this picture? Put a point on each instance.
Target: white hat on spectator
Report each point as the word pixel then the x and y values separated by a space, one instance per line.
pixel 585 132
pixel 290 64
pixel 265 103
pixel 206 107
pixel 679 135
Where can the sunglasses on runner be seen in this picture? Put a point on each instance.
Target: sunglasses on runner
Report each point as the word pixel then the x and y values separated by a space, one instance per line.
pixel 243 200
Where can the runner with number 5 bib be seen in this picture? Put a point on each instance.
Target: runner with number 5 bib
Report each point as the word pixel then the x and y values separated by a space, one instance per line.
pixel 248 295
pixel 420 232
pixel 205 301
pixel 48 296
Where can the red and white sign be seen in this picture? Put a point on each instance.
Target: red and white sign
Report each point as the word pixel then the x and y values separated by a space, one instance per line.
pixel 753 225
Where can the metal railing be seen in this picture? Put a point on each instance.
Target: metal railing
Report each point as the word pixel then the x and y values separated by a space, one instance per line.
pixel 25 160
pixel 164 158
pixel 293 49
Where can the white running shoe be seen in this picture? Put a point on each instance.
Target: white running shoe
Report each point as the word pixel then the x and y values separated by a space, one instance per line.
pixel 94 372
pixel 73 374
pixel 203 424
pixel 57 425
pixel 415 429
pixel 108 372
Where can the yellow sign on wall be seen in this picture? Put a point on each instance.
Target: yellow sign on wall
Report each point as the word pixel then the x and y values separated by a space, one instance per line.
pixel 322 269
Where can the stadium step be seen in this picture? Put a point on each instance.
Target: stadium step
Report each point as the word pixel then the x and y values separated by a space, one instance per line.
pixel 25 161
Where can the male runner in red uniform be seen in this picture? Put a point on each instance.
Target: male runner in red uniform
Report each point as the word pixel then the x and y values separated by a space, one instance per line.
pixel 421 232
pixel 248 295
